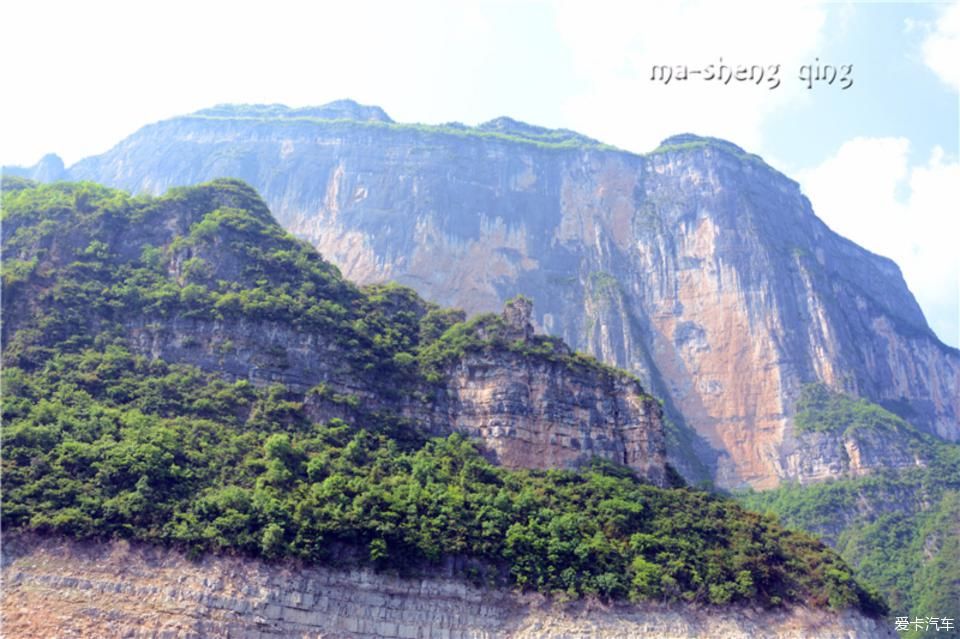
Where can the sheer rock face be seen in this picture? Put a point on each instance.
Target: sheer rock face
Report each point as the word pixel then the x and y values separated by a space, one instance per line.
pixel 542 415
pixel 819 456
pixel 58 588
pixel 698 267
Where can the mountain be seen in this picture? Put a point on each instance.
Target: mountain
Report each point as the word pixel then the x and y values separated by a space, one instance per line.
pixel 788 359
pixel 50 168
pixel 182 378
pixel 696 267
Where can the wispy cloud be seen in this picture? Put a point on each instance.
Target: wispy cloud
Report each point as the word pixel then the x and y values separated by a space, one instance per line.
pixel 941 48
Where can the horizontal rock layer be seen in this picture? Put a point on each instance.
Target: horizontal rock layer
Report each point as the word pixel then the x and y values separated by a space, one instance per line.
pixel 527 411
pixel 82 589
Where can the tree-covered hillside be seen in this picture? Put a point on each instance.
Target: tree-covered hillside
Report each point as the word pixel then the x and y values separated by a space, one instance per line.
pixel 899 528
pixel 102 437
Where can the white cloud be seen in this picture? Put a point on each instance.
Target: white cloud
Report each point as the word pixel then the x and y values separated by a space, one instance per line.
pixel 870 192
pixel 88 74
pixel 941 48
pixel 619 103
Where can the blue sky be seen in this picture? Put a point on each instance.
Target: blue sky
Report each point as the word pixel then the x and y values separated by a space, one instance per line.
pixel 878 160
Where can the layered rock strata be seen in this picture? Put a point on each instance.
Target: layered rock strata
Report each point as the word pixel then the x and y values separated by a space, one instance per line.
pixel 63 588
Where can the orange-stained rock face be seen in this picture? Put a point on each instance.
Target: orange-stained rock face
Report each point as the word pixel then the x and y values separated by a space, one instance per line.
pixel 698 267
pixel 546 411
pixel 724 302
pixel 737 327
pixel 545 415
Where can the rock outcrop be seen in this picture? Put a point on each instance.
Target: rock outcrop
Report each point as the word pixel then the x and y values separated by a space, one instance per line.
pixel 54 587
pixel 544 415
pixel 50 168
pixel 827 455
pixel 697 267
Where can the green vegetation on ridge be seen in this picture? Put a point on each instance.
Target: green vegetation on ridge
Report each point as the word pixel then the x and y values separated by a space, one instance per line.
pixel 111 444
pixel 821 410
pixel 547 140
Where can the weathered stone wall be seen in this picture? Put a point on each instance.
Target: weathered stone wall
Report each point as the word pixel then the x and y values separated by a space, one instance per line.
pixel 58 588
pixel 826 455
pixel 538 414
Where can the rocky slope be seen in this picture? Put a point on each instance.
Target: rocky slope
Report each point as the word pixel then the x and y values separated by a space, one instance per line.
pixel 697 267
pixel 543 415
pixel 54 587
pixel 529 410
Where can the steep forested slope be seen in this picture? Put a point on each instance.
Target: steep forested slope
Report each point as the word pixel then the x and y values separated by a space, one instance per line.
pixel 900 527
pixel 180 370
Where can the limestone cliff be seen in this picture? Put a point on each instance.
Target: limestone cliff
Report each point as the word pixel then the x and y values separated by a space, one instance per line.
pixel 178 370
pixel 697 267
pixel 543 416
pixel 60 588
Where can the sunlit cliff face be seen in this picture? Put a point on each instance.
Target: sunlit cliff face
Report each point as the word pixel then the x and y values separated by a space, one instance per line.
pixel 706 274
